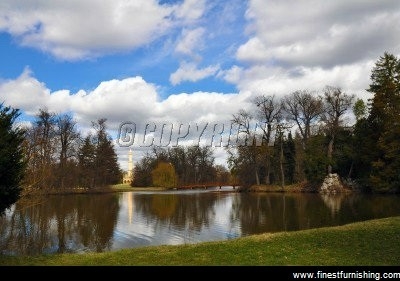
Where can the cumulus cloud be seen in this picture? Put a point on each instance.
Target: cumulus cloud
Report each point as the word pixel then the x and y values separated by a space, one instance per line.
pixel 127 100
pixel 353 78
pixel 116 100
pixel 324 34
pixel 190 72
pixel 204 106
pixel 309 44
pixel 74 29
pixel 25 92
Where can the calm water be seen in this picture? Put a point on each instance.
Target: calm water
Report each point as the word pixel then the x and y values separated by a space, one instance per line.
pixel 106 222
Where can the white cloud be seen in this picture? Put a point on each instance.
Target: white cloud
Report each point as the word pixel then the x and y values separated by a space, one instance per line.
pixel 191 40
pixel 253 51
pixel 25 93
pixel 190 72
pixel 319 33
pixel 129 99
pixel 191 10
pixel 203 106
pixel 232 75
pixel 353 78
pixel 309 44
pixel 79 29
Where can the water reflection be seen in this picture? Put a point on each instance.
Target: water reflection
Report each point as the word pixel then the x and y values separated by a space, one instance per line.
pixel 59 224
pixel 166 218
pixel 105 222
pixel 333 201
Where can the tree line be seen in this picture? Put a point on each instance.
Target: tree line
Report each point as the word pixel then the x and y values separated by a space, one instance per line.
pixel 179 166
pixel 306 136
pixel 283 158
pixel 59 157
pixel 53 154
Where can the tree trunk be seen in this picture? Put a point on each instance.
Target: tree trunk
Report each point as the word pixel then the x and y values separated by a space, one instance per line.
pixel 267 172
pixel 330 150
pixel 281 166
pixel 257 177
pixel 350 170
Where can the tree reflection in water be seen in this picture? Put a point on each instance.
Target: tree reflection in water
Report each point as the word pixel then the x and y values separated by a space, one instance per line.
pixel 105 222
pixel 59 224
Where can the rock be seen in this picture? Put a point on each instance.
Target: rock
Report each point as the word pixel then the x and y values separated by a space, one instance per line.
pixel 332 185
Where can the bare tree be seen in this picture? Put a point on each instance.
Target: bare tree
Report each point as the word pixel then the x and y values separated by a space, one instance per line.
pixel 68 137
pixel 336 103
pixel 41 148
pixel 243 119
pixel 269 112
pixel 304 108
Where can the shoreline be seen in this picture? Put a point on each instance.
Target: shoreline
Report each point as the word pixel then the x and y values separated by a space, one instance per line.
pixel 107 189
pixel 293 188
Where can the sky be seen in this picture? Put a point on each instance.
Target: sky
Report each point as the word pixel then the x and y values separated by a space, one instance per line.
pixel 188 64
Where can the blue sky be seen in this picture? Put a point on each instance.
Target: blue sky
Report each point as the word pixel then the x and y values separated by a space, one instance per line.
pixel 155 59
pixel 184 61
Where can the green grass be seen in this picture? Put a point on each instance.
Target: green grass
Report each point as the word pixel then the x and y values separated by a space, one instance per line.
pixel 127 187
pixel 122 187
pixel 374 242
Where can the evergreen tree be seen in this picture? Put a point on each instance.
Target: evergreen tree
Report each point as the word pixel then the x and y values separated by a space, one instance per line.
pixel 142 172
pixel 343 157
pixel 12 164
pixel 86 158
pixel 363 155
pixel 384 122
pixel 107 167
pixel 98 160
pixel 107 170
pixel 316 160
pixel 290 159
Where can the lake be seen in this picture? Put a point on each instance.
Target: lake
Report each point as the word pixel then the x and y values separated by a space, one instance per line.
pixel 106 222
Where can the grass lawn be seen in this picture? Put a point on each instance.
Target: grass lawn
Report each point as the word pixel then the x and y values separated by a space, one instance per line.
pixel 369 243
pixel 127 187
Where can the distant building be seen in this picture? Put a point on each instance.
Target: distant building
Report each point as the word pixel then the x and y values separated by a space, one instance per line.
pixel 128 175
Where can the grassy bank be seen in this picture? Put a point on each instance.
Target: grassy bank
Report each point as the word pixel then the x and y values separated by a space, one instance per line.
pixel 107 189
pixel 374 242
pixel 297 187
pixel 127 187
